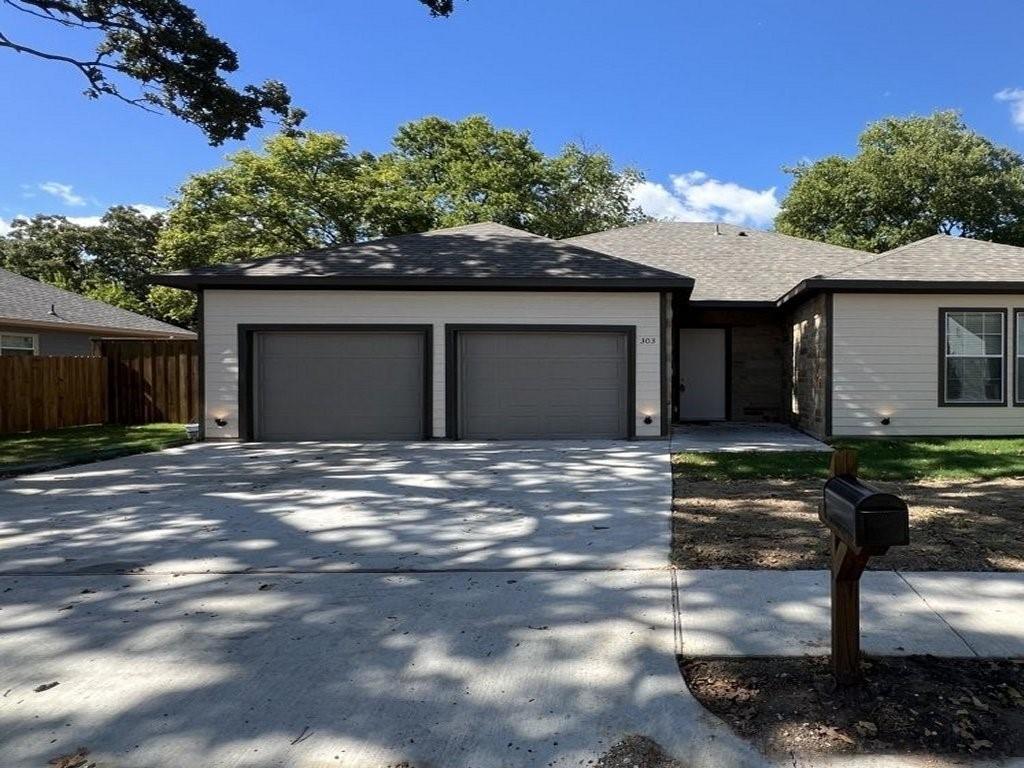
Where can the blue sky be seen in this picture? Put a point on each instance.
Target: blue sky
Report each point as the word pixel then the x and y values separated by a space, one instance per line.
pixel 709 99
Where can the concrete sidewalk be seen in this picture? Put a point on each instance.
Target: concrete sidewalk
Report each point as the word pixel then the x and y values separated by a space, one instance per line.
pixel 786 613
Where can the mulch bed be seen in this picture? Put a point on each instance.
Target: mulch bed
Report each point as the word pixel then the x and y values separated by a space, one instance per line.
pixel 909 705
pixel 773 524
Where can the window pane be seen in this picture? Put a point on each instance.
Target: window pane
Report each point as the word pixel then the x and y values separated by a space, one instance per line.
pixel 1020 381
pixel 993 344
pixel 974 379
pixel 9 352
pixel 16 342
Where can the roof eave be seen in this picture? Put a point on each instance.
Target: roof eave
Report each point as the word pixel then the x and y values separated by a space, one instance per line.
pixel 203 282
pixel 108 331
pixel 817 285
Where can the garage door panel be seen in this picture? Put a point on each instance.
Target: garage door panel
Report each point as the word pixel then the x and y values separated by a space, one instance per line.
pixel 542 384
pixel 346 385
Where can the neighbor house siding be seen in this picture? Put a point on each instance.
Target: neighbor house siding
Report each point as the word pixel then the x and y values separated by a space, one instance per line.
pixel 807 366
pixel 886 364
pixel 225 310
pixel 57 343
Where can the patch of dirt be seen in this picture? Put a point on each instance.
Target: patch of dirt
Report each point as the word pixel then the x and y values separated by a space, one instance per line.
pixel 914 704
pixel 773 524
pixel 636 752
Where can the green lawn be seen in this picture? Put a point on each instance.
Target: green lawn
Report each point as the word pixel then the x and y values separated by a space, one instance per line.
pixel 930 459
pixel 79 444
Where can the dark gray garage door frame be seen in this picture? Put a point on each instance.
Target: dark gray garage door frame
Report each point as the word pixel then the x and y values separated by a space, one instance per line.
pixel 451 362
pixel 246 372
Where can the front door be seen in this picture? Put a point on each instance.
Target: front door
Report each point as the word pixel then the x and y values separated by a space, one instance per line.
pixel 702 374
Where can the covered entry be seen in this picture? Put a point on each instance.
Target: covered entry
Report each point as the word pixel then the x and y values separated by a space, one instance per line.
pixel 522 382
pixel 703 374
pixel 340 383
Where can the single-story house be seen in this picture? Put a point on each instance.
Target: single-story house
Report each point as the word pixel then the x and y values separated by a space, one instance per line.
pixel 488 332
pixel 41 319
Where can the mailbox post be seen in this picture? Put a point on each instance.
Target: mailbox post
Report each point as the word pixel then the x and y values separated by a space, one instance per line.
pixel 864 523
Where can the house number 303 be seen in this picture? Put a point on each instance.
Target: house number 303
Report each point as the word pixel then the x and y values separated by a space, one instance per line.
pixel 648 339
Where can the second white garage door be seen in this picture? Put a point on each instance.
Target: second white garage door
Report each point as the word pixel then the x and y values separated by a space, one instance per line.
pixel 549 384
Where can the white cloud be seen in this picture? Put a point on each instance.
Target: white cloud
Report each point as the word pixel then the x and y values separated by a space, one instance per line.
pixel 147 210
pixel 695 196
pixel 64 192
pixel 5 227
pixel 85 221
pixel 1015 98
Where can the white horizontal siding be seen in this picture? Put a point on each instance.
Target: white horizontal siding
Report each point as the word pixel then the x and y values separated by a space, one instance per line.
pixel 224 311
pixel 886 363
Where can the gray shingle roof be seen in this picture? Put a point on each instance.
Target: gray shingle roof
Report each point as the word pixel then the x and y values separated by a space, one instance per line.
pixel 941 258
pixel 757 266
pixel 477 253
pixel 29 301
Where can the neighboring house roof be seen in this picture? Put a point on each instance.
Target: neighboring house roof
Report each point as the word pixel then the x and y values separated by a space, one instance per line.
pixel 475 255
pixel 24 301
pixel 727 262
pixel 936 263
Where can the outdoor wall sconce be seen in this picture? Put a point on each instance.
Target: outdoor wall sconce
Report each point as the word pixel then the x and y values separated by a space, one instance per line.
pixel 648 419
pixel 885 421
pixel 220 421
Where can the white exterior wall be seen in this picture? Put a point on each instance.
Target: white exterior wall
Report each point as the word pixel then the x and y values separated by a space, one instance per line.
pixel 225 310
pixel 885 362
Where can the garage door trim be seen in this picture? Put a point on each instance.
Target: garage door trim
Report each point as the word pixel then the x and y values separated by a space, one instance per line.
pixel 451 363
pixel 246 374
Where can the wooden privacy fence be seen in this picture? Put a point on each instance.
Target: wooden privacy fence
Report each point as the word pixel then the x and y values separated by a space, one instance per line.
pixel 151 381
pixel 51 392
pixel 127 382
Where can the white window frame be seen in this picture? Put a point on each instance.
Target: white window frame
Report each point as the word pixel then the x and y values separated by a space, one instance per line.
pixel 1018 355
pixel 33 336
pixel 945 357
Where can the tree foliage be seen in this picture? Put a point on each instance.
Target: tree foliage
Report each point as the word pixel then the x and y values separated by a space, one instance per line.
pixel 308 190
pixel 110 261
pixel 162 47
pixel 911 178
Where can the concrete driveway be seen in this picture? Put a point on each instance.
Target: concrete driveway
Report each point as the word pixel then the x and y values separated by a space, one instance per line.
pixel 311 605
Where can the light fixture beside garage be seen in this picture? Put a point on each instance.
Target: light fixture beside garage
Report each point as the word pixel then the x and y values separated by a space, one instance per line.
pixel 648 417
pixel 220 421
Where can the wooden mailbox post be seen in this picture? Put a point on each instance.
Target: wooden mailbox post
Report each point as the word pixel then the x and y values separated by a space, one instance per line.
pixel 864 523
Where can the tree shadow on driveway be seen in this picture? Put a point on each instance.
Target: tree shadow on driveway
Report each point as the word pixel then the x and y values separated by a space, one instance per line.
pixel 345 605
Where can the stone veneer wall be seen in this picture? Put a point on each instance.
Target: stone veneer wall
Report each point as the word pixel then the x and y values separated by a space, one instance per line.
pixel 807 366
pixel 757 364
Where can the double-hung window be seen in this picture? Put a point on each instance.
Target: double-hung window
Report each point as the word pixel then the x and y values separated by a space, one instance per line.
pixel 17 344
pixel 974 356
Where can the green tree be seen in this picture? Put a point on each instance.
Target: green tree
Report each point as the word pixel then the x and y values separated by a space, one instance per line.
pixel 122 249
pixel 444 173
pixel 50 249
pixel 584 193
pixel 911 178
pixel 302 191
pixel 308 190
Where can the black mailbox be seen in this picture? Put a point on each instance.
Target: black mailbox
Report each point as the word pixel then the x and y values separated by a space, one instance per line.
pixel 864 517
